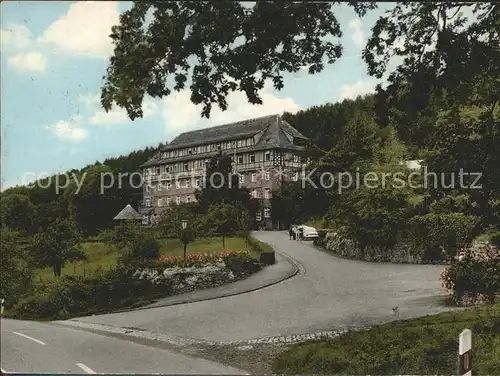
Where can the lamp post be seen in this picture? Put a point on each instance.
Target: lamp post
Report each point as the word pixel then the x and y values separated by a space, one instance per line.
pixel 184 236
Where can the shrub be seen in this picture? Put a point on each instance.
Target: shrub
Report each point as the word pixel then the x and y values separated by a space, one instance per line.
pixel 450 204
pixel 474 277
pixel 495 238
pixel 432 234
pixel 320 240
pixel 267 256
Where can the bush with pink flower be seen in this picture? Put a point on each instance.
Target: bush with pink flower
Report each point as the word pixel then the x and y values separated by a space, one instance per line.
pixel 474 276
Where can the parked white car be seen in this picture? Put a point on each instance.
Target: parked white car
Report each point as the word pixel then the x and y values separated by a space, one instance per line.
pixel 307 233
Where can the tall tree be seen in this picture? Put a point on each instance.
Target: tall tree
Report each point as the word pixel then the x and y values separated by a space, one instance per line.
pixel 222 186
pixel 57 245
pixel 450 69
pixel 18 212
pixel 16 273
pixel 227 45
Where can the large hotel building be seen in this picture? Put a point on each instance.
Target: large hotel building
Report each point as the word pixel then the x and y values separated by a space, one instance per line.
pixel 266 151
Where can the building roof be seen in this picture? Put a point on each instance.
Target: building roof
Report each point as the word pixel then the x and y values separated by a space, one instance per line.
pixel 273 129
pixel 128 212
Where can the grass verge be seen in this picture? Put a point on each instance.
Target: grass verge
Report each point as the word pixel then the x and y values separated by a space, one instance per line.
pixel 427 345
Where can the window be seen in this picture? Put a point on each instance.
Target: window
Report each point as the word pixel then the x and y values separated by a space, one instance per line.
pixel 158 171
pixel 159 186
pixel 188 198
pixel 169 185
pixel 254 177
pixel 296 158
pixel 148 188
pixel 255 194
pixel 167 168
pixel 197 183
pixel 267 156
pixel 239 143
pixel 240 159
pixel 242 178
pixel 258 216
pixel 148 202
pixel 177 184
pixel 161 202
pixel 186 167
pixel 267 193
pixel 219 146
pixel 190 151
pixel 252 158
pixel 267 212
pixel 266 175
pixel 178 200
pixel 168 200
pixel 188 183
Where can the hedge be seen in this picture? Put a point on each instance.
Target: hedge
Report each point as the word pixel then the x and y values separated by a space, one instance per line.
pixel 267 256
pixel 433 233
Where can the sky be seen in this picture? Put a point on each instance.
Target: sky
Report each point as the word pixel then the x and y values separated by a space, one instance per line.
pixel 54 55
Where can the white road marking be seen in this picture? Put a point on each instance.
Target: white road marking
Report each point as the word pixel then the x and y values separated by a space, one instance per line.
pixel 85 368
pixel 2 370
pixel 33 339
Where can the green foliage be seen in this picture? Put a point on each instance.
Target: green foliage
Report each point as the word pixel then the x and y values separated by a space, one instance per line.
pixel 267 256
pixel 142 248
pixel 434 233
pixel 16 273
pixel 234 48
pixel 451 204
pixel 423 346
pixel 170 223
pixel 475 276
pixel 57 245
pixel 226 220
pixel 18 212
pixel 495 238
pixel 78 295
pixel 371 217
pixel 222 186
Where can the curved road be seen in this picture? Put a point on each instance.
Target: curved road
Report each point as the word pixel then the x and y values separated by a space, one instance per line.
pixel 332 293
pixel 34 347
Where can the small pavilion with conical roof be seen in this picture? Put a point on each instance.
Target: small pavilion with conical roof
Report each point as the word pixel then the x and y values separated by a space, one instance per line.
pixel 128 213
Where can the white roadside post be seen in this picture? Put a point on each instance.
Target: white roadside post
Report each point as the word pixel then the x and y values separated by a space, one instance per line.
pixel 464 353
pixel 3 300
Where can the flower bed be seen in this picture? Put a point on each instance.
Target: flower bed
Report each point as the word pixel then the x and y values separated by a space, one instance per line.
pixel 198 271
pixel 474 276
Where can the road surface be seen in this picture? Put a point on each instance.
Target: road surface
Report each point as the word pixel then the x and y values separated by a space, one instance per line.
pixel 332 293
pixel 33 347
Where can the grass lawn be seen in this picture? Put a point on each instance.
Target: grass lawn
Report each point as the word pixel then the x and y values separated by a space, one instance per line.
pixel 426 345
pixel 102 255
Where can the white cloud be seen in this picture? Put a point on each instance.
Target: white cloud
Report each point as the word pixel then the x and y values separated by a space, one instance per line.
pixel 29 61
pixel 358 35
pixel 89 99
pixel 68 131
pixel 118 115
pixel 15 35
pixel 180 114
pixel 85 29
pixel 360 87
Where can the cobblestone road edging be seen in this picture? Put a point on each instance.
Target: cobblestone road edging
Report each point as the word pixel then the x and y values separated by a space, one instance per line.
pixel 184 341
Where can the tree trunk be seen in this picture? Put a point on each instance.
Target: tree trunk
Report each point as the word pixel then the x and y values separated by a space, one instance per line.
pixel 185 250
pixel 223 241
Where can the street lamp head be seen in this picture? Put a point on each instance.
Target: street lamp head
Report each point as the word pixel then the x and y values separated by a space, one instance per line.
pixel 184 224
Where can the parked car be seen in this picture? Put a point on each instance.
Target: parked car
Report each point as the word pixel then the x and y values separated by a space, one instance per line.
pixel 306 233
